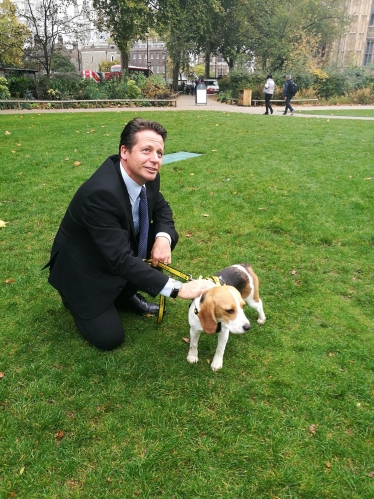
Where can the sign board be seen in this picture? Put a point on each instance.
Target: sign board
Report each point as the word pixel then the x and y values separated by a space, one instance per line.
pixel 201 97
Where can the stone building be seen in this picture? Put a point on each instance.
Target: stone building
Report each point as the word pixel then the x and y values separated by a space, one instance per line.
pixel 356 47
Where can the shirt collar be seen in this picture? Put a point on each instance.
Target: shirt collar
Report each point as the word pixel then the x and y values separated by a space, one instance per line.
pixel 132 187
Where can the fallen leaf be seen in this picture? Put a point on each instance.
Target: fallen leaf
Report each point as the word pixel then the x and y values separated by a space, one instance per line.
pixel 235 192
pixel 293 272
pixel 371 474
pixel 59 435
pixel 66 159
pixel 77 163
pixel 214 150
pixel 2 375
pixel 186 340
pixel 328 464
pixel 262 208
pixel 211 193
pixel 367 178
pixel 7 133
pixel 189 234
pixel 18 145
pixel 9 281
pixel 192 174
pixel 2 223
pixel 205 215
pixel 149 315
pixel 312 429
pixel 22 470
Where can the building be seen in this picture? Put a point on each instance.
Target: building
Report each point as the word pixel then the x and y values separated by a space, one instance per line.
pixel 355 48
pixel 218 66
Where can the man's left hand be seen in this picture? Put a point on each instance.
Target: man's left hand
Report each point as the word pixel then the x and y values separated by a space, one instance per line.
pixel 161 251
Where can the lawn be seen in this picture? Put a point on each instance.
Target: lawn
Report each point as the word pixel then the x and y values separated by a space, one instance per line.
pixel 291 413
pixel 335 111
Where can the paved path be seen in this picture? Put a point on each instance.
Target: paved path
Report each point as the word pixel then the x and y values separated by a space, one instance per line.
pixel 187 103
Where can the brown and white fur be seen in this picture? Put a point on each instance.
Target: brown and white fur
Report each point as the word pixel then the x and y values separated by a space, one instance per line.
pixel 224 304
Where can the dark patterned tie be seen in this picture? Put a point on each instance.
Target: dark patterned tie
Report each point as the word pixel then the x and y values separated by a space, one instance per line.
pixel 143 224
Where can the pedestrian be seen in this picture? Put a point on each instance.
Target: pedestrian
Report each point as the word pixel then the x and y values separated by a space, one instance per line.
pixel 268 91
pixel 116 220
pixel 288 94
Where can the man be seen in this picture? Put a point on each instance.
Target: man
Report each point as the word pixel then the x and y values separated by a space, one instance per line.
pixel 288 95
pixel 95 261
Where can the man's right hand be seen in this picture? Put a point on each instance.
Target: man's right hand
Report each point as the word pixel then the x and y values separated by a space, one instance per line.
pixel 193 289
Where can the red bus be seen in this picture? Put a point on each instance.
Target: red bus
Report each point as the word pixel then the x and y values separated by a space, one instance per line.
pixel 115 70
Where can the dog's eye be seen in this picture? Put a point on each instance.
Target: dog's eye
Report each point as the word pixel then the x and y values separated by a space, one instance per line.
pixel 230 311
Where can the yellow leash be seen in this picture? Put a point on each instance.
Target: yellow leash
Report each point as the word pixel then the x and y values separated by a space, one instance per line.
pixel 171 270
pixel 187 277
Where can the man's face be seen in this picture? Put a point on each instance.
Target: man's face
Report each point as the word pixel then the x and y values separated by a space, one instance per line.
pixel 144 160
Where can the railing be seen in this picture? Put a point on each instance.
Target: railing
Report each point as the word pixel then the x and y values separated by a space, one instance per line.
pixel 83 104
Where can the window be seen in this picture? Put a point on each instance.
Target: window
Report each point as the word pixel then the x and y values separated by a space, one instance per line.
pixel 134 57
pixel 368 52
pixel 140 56
pixel 157 55
pixel 151 56
pixel 157 69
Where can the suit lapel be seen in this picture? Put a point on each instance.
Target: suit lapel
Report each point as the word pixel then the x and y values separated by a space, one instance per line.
pixel 126 198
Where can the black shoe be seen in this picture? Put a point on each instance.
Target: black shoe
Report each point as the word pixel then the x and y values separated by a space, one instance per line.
pixel 266 113
pixel 271 111
pixel 140 306
pixel 284 114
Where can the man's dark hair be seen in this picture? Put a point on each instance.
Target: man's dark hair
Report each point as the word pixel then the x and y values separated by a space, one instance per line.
pixel 128 135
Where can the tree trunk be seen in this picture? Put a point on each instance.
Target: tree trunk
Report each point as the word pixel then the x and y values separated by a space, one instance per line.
pixel 125 58
pixel 207 59
pixel 175 75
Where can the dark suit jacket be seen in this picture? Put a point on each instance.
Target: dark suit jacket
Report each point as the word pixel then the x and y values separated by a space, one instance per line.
pixel 93 254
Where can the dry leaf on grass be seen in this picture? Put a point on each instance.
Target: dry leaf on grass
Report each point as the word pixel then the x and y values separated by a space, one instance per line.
pixel 9 281
pixel 312 429
pixel 59 435
pixel 2 375
pixel 2 223
pixel 186 340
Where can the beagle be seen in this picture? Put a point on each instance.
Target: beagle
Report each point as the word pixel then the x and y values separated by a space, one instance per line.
pixel 220 309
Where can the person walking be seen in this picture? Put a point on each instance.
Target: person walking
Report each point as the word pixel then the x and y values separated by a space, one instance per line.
pixel 288 94
pixel 268 91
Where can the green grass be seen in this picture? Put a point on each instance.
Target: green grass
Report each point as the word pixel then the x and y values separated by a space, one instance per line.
pixel 291 413
pixel 335 111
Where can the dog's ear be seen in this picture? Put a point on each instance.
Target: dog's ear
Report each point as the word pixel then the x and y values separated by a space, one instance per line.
pixel 207 314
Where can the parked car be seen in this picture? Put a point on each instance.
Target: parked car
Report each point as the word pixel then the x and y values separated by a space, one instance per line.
pixel 212 86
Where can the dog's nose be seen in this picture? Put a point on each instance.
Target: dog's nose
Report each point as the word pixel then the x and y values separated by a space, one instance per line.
pixel 247 326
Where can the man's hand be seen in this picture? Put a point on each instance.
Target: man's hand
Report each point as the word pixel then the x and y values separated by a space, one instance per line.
pixel 193 289
pixel 161 251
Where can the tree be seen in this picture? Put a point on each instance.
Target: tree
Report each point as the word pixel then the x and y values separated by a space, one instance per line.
pixel 61 63
pixel 125 20
pixel 106 65
pixel 13 35
pixel 49 21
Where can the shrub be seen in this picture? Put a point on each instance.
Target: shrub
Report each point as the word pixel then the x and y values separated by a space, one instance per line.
pixel 4 90
pixel 21 85
pixel 156 87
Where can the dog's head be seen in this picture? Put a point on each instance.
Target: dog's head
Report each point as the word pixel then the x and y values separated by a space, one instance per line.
pixel 225 304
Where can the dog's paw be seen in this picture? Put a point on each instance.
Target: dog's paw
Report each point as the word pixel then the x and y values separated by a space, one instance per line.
pixel 192 359
pixel 261 321
pixel 216 365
